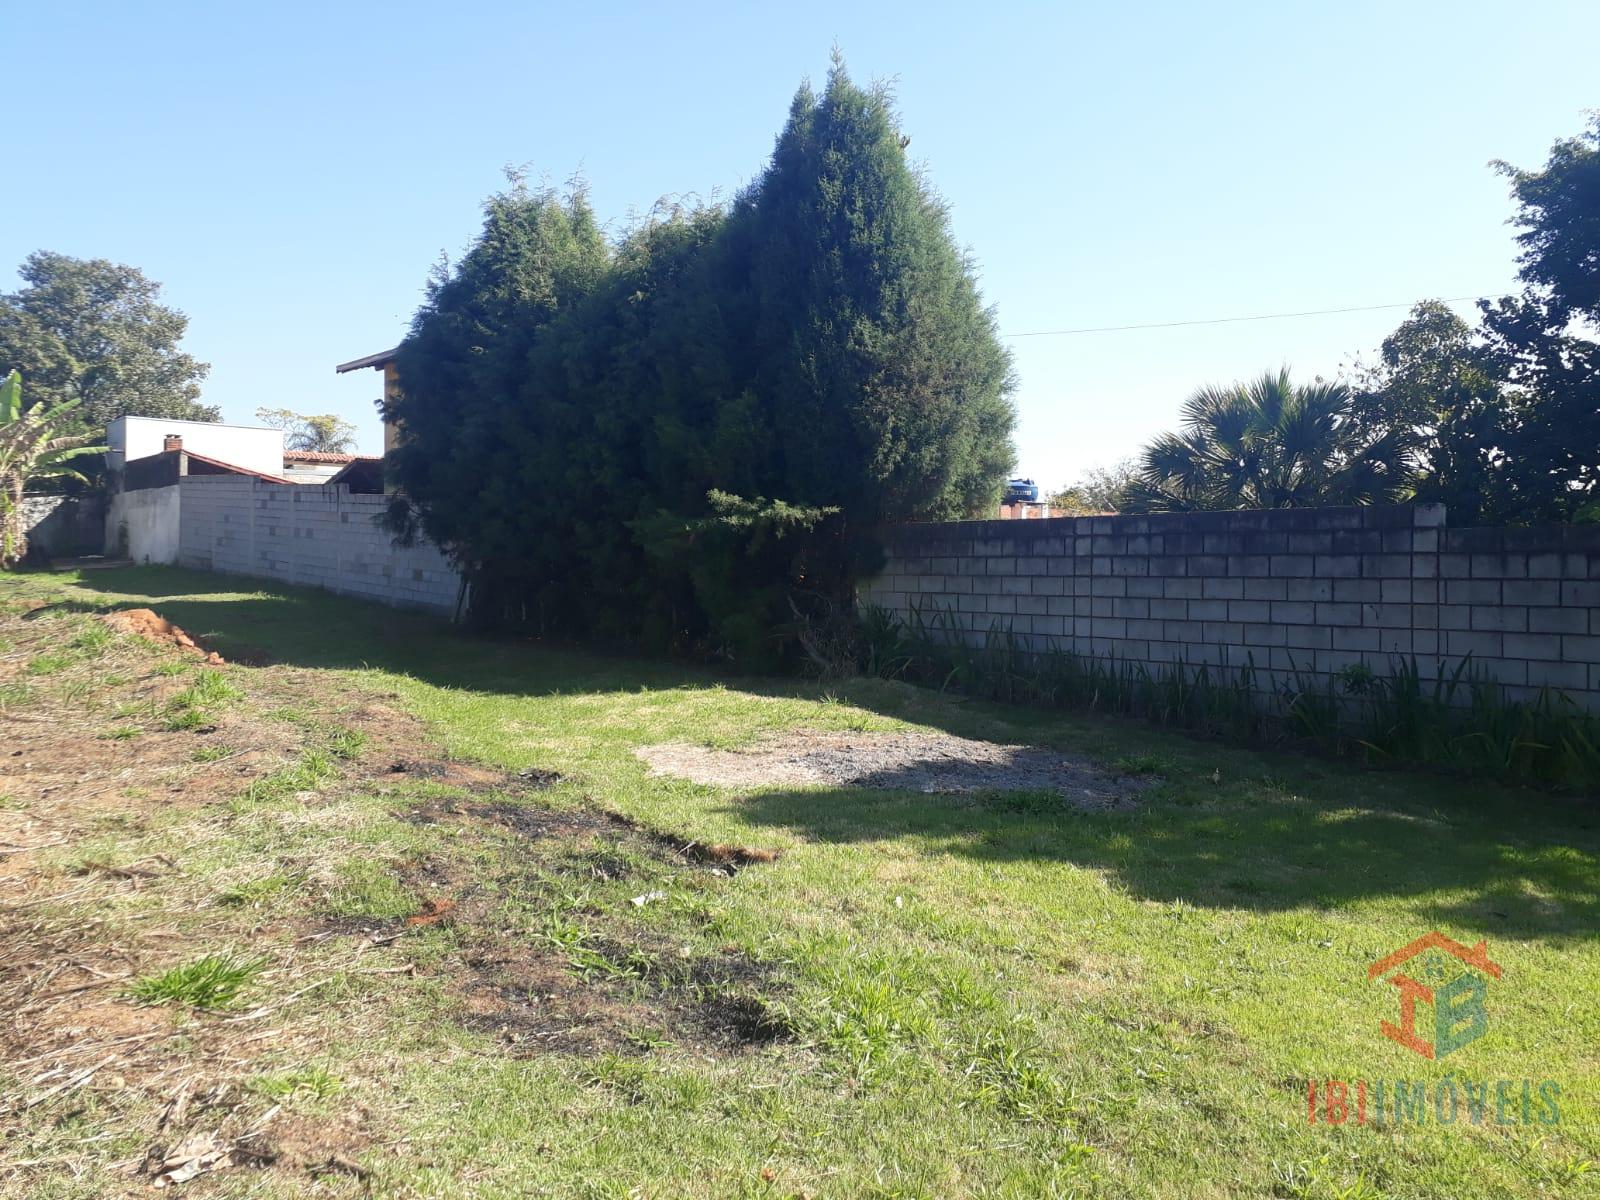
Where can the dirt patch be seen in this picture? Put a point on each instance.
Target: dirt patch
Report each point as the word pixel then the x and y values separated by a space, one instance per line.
pixel 533 821
pixel 621 985
pixel 150 625
pixel 93 761
pixel 474 778
pixel 910 761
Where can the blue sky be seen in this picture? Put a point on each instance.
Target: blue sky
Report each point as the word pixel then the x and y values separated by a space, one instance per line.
pixel 290 172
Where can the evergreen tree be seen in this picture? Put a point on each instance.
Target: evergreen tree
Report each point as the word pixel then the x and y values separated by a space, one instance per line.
pixel 462 363
pixel 880 367
pixel 677 442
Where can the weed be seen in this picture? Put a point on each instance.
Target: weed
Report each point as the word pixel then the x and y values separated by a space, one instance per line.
pixel 92 638
pixel 185 720
pixel 311 771
pixel 1143 764
pixel 347 743
pixel 206 754
pixel 48 664
pixel 212 982
pixel 253 891
pixel 169 668
pixel 124 733
pixel 316 1082
pixel 1006 1070
pixel 209 687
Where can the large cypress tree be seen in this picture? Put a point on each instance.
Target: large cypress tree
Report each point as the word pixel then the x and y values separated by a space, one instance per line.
pixel 881 368
pixel 674 444
pixel 462 362
pixel 864 380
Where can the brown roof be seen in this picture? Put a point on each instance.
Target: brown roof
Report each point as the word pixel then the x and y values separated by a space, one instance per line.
pixel 320 456
pixel 226 468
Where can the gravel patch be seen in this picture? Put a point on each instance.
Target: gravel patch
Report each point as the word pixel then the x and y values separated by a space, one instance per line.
pixel 910 761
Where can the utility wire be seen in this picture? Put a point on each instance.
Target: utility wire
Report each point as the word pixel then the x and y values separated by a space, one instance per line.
pixel 1319 312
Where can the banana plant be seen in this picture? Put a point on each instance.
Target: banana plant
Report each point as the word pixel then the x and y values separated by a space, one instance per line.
pixel 31 449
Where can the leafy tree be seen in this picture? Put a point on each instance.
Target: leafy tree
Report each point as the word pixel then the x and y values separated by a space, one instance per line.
pixel 1271 444
pixel 1543 342
pixel 33 447
pixel 1558 209
pixel 1552 407
pixel 323 432
pixel 1099 490
pixel 95 332
pixel 1438 386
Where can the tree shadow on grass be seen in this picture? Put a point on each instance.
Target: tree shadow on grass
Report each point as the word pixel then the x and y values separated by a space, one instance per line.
pixel 1520 864
pixel 251 620
pixel 1524 867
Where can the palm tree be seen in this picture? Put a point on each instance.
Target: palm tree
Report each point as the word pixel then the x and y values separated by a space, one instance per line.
pixel 1271 444
pixel 31 449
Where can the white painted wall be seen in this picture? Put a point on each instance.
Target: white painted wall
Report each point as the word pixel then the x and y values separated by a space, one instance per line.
pixel 304 472
pixel 248 446
pixel 144 525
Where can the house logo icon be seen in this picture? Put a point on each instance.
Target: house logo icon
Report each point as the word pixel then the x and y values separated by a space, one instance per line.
pixel 1451 977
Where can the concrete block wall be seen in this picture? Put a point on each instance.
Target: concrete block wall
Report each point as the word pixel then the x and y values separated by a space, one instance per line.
pixel 311 536
pixel 64 525
pixel 1313 590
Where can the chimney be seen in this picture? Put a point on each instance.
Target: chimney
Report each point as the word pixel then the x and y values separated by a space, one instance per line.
pixel 171 442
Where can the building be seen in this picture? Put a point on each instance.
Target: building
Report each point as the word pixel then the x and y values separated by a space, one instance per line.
pixel 383 361
pixel 142 496
pixel 318 466
pixel 147 456
pixel 246 446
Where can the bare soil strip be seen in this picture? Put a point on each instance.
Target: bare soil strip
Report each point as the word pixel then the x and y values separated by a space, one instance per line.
pixel 909 761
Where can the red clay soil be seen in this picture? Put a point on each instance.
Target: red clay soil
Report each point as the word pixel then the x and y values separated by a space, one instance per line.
pixel 153 627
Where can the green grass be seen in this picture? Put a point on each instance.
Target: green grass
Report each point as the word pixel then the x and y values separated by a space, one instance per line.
pixel 994 995
pixel 92 639
pixel 213 982
pixel 317 1083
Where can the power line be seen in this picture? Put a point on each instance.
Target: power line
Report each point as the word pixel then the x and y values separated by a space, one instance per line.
pixel 1319 312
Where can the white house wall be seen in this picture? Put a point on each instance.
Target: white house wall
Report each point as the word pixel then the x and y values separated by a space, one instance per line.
pixel 144 525
pixel 250 447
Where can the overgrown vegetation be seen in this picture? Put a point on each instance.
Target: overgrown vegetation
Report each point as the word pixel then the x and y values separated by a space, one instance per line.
pixel 1454 718
pixel 673 441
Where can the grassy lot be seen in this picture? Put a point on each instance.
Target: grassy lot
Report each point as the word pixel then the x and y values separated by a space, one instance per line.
pixel 347 979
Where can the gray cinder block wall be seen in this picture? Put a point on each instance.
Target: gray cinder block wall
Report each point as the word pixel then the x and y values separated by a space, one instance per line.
pixel 308 535
pixel 1288 589
pixel 64 525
